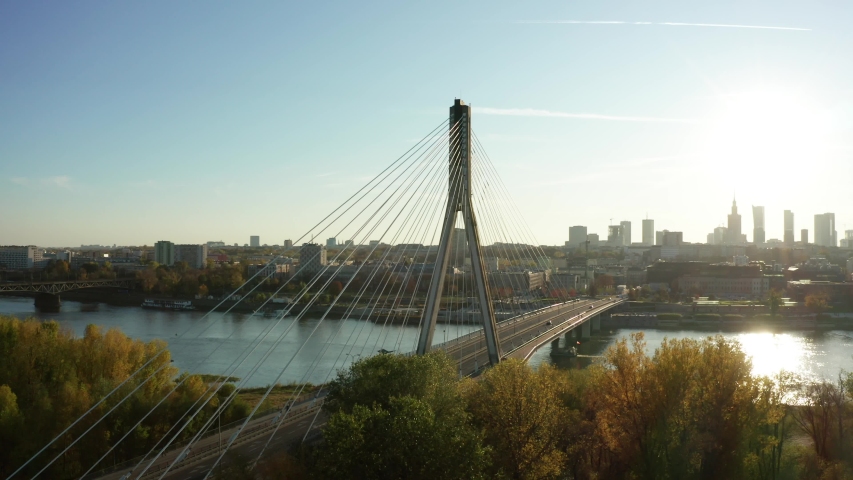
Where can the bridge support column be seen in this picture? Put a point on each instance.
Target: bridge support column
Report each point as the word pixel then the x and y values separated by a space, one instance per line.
pixel 47 302
pixel 596 323
pixel 460 201
pixel 555 344
pixel 585 329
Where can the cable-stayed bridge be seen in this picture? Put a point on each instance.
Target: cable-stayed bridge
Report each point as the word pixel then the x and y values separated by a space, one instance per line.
pixel 434 239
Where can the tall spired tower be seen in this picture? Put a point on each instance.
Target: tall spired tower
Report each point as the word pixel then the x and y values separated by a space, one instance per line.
pixel 459 201
pixel 733 231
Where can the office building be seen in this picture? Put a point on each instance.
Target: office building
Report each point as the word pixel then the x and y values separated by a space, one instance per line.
pixel 758 237
pixel 804 236
pixel 788 238
pixel 288 244
pixel 626 232
pixel 720 234
pixel 577 235
pixel 648 232
pixel 672 239
pixel 593 239
pixel 15 257
pixel 254 241
pixel 614 235
pixel 824 230
pixel 710 239
pixel 847 241
pixel 734 226
pixel 164 253
pixel 331 242
pixel 194 255
pixel 312 258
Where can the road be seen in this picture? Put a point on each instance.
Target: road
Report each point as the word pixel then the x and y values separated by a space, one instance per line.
pixel 202 455
pixel 518 336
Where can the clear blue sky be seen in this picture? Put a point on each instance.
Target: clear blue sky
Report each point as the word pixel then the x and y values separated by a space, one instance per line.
pixel 131 122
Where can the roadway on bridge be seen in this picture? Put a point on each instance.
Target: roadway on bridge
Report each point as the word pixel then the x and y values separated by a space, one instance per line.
pixel 522 335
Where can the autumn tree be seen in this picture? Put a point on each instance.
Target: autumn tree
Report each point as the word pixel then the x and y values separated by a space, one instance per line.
pixel 524 419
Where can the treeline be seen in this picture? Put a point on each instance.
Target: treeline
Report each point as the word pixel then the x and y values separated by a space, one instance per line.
pixel 692 410
pixel 181 280
pixel 49 378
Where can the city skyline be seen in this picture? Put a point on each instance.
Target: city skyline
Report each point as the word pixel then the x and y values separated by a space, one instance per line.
pixel 127 124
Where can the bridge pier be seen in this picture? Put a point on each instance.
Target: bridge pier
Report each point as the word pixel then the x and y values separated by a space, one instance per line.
pixel 555 344
pixel 585 327
pixel 596 323
pixel 47 302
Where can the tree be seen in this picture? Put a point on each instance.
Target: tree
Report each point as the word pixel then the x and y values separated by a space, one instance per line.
pixel 403 439
pixel 774 301
pixel 523 418
pixel 399 417
pixel 335 288
pixel 817 302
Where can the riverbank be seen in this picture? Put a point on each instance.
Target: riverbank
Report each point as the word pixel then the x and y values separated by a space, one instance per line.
pixel 731 322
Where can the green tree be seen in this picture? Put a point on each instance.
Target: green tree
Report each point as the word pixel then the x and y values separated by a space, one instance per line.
pixel 774 301
pixel 403 439
pixel 522 414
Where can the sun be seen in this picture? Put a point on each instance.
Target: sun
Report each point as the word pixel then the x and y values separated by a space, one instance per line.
pixel 763 135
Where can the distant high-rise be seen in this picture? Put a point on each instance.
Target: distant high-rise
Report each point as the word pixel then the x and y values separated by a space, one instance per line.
pixel 804 236
pixel 626 232
pixel 312 258
pixel 614 235
pixel 164 253
pixel 758 225
pixel 824 230
pixel 710 238
pixel 734 230
pixel 194 255
pixel 577 235
pixel 255 241
pixel 288 244
pixel 720 235
pixel 648 232
pixel 331 242
pixel 672 239
pixel 789 228
pixel 593 239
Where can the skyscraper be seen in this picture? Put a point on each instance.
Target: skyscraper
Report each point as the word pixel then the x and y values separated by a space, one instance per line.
pixel 734 226
pixel 648 232
pixel 288 244
pixel 626 232
pixel 720 235
pixel 804 236
pixel 254 241
pixel 614 235
pixel 789 227
pixel 577 235
pixel 758 225
pixel 331 242
pixel 824 230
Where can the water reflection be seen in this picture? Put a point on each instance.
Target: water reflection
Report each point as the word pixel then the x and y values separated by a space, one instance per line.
pixel 220 343
pixel 813 355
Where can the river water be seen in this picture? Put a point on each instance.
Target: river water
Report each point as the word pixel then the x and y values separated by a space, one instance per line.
pixel 210 344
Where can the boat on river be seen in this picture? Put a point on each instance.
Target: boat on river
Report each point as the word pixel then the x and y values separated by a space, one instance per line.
pixel 168 304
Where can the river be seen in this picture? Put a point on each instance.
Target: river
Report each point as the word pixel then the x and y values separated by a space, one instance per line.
pixel 210 344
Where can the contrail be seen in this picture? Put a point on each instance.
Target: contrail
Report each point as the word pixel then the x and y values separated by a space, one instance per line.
pixel 670 24
pixel 530 112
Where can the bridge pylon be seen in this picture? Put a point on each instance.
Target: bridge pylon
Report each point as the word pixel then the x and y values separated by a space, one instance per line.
pixel 459 201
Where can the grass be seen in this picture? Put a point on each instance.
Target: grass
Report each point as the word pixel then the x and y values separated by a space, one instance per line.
pixel 279 395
